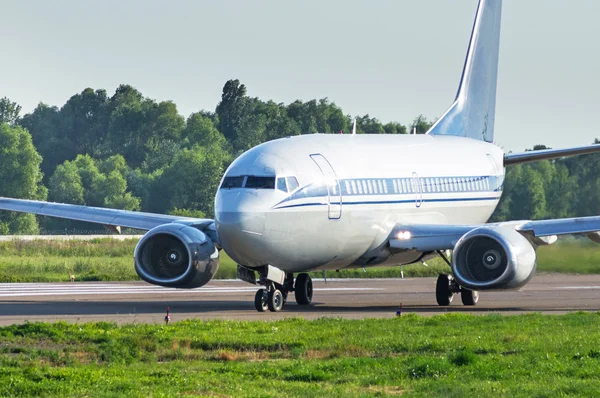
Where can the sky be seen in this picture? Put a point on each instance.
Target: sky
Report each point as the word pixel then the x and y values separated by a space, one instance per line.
pixel 391 59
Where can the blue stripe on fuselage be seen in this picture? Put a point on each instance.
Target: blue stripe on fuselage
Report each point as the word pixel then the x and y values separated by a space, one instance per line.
pixel 384 202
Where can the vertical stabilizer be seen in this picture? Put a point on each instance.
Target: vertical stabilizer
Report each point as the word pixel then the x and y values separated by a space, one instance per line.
pixel 473 111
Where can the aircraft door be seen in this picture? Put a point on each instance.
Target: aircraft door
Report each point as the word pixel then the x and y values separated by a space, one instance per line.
pixel 334 192
pixel 417 189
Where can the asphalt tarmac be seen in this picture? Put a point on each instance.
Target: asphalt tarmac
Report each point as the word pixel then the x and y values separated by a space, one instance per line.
pixel 358 298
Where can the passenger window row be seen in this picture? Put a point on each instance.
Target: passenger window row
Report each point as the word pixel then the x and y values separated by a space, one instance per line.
pixel 409 185
pixel 456 184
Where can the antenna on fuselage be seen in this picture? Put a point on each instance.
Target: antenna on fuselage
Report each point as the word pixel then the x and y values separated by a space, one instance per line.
pixel 354 127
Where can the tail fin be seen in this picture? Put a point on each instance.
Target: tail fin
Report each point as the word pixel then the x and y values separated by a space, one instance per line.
pixel 473 111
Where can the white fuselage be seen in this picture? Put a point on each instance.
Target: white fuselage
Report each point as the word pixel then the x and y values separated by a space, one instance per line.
pixel 353 190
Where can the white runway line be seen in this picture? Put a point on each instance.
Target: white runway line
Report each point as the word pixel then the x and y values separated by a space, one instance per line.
pixel 579 287
pixel 40 289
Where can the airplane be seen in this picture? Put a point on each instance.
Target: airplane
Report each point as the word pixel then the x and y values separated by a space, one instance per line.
pixel 337 201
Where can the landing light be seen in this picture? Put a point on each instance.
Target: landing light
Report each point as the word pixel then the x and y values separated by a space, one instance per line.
pixel 404 235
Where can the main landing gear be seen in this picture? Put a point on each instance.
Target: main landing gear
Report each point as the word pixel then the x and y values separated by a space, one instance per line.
pixel 274 295
pixel 446 287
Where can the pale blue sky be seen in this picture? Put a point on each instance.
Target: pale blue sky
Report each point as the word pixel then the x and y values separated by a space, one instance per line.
pixel 392 59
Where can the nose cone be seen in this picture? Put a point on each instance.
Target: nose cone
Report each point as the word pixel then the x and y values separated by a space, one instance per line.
pixel 240 221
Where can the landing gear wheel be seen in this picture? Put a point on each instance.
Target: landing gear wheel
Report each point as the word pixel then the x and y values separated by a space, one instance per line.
pixel 260 300
pixel 303 289
pixel 443 289
pixel 469 297
pixel 275 300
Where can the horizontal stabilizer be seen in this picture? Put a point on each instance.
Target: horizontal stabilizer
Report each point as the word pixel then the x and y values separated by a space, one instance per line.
pixel 532 156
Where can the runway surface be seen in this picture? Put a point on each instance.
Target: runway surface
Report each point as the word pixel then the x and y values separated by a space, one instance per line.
pixel 364 298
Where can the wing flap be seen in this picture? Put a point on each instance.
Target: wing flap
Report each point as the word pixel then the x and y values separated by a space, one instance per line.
pixel 563 226
pixel 98 215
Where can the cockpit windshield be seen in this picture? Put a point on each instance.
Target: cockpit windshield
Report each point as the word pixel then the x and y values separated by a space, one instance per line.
pixel 233 182
pixel 285 184
pixel 256 182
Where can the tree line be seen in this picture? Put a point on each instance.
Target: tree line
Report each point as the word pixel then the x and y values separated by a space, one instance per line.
pixel 127 151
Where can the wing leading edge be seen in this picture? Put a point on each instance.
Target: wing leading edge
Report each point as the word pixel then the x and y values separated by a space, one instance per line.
pixel 427 238
pixel 98 215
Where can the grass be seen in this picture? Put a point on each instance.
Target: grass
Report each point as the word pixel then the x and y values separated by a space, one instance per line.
pixel 112 260
pixel 448 355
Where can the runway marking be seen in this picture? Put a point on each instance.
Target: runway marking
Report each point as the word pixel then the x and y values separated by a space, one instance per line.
pixel 31 290
pixel 579 287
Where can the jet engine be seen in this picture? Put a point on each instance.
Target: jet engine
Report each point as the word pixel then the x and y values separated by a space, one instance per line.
pixel 176 255
pixel 493 258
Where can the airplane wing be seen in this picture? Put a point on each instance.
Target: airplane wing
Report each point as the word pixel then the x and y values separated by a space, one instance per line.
pixel 98 215
pixel 428 238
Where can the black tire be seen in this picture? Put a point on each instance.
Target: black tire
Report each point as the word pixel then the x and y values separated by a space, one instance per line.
pixel 260 300
pixel 443 293
pixel 303 289
pixel 469 297
pixel 275 301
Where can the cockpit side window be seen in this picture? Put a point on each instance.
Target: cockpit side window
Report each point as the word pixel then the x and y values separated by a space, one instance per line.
pixel 281 185
pixel 232 182
pixel 255 182
pixel 292 183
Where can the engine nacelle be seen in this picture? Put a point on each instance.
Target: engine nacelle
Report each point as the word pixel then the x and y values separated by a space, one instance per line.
pixel 176 255
pixel 493 258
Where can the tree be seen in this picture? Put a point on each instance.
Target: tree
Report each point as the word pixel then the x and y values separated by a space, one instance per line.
pixel 306 120
pixel 85 181
pixel 200 130
pixel 421 124
pixel 528 197
pixel 231 108
pixel 44 124
pixel 187 213
pixel 84 121
pixel 144 186
pixel 394 128
pixel 9 111
pixel 139 126
pixel 250 131
pixel 20 177
pixel 281 126
pixel 65 185
pixel 114 187
pixel 540 147
pixel 191 181
pixel 560 192
pixel 368 125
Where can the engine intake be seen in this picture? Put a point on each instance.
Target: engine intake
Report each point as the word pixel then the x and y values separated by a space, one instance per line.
pixel 493 258
pixel 176 255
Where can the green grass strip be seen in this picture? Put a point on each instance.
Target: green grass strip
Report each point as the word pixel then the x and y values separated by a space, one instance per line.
pixel 448 355
pixel 112 260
